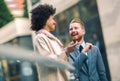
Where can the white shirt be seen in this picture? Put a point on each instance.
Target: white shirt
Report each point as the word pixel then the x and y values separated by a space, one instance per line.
pixel 83 45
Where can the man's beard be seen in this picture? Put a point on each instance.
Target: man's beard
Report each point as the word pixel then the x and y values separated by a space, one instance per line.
pixel 77 39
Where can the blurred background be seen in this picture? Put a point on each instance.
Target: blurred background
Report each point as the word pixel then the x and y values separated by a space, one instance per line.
pixel 101 18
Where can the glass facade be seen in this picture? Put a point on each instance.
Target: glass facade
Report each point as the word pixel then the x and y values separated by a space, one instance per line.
pixel 34 2
pixel 22 41
pixel 18 70
pixel 85 10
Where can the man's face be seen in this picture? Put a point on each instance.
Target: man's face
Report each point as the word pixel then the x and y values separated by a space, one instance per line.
pixel 76 31
pixel 50 24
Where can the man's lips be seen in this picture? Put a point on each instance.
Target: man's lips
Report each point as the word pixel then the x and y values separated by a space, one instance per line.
pixel 74 34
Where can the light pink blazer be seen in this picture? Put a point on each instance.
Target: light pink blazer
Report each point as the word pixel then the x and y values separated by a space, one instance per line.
pixel 43 43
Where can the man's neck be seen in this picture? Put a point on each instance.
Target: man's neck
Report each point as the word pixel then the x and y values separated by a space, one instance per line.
pixel 80 41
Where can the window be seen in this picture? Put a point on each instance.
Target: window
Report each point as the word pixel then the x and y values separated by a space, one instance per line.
pixel 12 5
pixel 9 0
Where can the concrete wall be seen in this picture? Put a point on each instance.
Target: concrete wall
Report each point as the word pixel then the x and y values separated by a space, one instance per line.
pixel 110 19
pixel 18 27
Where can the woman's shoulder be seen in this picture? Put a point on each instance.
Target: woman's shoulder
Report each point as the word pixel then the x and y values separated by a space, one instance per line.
pixel 40 36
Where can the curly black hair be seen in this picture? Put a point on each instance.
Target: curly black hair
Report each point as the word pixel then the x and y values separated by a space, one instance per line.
pixel 40 14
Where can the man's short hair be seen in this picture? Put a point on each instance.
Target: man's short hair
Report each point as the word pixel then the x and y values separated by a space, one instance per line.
pixel 77 20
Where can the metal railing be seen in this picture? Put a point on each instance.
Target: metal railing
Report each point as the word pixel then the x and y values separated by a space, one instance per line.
pixel 27 58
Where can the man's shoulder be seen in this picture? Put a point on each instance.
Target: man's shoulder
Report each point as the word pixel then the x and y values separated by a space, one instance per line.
pixel 95 47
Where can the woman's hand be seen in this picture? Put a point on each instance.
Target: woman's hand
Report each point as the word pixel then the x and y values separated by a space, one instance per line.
pixel 71 47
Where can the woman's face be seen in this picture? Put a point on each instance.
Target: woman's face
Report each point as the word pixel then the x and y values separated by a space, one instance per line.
pixel 50 24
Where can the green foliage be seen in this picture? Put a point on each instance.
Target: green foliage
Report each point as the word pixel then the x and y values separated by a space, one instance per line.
pixel 5 15
pixel 25 14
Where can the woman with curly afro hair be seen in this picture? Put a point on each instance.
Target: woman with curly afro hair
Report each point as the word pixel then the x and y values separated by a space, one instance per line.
pixel 42 21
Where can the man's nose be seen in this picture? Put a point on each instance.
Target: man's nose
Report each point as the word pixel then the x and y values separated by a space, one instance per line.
pixel 73 30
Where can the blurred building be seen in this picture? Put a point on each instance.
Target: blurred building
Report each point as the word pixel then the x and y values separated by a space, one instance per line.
pixel 98 15
pixel 17 33
pixel 15 6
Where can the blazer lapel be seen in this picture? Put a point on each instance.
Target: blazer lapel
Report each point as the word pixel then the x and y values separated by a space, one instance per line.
pixel 89 53
pixel 84 68
pixel 73 55
pixel 87 68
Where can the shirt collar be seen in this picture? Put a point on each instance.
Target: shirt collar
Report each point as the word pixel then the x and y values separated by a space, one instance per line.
pixel 83 44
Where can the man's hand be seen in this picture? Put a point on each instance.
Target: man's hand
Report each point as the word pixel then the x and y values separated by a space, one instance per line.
pixel 87 47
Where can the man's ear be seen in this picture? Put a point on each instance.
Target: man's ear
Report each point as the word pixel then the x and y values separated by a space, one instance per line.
pixel 84 31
